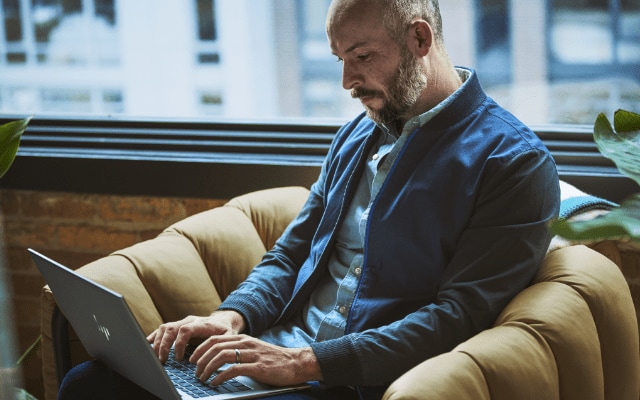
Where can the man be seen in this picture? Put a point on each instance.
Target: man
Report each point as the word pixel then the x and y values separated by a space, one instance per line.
pixel 429 215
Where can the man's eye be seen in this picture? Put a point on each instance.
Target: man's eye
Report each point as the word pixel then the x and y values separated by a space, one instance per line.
pixel 363 57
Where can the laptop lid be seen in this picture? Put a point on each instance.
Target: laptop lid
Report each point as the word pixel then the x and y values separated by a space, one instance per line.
pixel 108 330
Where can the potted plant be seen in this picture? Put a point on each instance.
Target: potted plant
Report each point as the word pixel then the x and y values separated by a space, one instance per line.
pixel 10 135
pixel 621 144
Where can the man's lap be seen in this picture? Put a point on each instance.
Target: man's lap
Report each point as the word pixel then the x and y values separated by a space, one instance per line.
pixel 93 380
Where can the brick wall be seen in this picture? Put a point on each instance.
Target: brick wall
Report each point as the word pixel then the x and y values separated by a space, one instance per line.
pixel 73 229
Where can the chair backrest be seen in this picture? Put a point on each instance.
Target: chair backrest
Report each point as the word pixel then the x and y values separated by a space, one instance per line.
pixel 232 239
pixel 195 263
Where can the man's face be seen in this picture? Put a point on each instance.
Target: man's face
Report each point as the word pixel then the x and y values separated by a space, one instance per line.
pixel 383 74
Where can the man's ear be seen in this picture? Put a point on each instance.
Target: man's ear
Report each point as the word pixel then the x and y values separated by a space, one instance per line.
pixel 420 37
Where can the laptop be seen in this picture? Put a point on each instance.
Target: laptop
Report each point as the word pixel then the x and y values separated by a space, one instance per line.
pixel 109 332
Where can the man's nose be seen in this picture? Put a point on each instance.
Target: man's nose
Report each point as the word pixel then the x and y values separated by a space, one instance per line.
pixel 350 76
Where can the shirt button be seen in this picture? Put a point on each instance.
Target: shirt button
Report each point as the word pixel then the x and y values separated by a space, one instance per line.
pixel 357 271
pixel 342 309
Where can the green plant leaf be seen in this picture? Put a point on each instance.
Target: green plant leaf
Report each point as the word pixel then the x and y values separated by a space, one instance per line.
pixel 626 121
pixel 10 134
pixel 621 222
pixel 30 351
pixel 623 146
pixel 21 394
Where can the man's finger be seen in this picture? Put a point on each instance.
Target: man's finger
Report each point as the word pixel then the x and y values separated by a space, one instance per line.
pixel 185 333
pixel 166 341
pixel 228 341
pixel 232 372
pixel 151 336
pixel 227 356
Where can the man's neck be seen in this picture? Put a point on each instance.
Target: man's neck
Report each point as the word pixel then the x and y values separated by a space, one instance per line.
pixel 396 127
pixel 442 81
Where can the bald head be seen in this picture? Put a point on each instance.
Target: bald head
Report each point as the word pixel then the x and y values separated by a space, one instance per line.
pixel 342 11
pixel 395 15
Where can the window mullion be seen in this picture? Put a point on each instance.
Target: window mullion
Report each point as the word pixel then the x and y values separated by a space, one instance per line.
pixel 614 10
pixel 28 33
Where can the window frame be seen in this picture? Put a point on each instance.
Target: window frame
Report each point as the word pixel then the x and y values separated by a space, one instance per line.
pixel 225 159
pixel 560 71
pixel 165 158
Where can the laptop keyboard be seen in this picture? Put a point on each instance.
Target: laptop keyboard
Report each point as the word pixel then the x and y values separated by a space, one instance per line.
pixel 183 375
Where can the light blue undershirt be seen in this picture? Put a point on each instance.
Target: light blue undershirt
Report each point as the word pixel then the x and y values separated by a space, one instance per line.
pixel 325 316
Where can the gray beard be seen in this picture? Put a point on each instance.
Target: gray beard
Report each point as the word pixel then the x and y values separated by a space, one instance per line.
pixel 405 88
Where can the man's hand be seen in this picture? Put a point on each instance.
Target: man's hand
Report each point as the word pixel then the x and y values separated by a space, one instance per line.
pixel 179 333
pixel 252 357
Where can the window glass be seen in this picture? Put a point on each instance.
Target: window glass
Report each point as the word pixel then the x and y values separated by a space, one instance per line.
pixel 207 34
pixel 548 61
pixel 493 38
pixel 581 32
pixel 594 58
pixel 628 28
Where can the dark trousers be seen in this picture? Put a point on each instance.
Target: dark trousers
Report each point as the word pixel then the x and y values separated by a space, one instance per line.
pixel 95 381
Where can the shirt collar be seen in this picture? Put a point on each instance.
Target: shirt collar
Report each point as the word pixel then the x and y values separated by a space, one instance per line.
pixel 420 120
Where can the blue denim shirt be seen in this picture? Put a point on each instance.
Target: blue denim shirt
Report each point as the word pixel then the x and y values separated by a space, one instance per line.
pixel 457 229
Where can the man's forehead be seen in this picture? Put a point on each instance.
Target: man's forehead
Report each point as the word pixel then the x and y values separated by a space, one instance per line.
pixel 345 41
pixel 342 12
pixel 355 16
pixel 355 27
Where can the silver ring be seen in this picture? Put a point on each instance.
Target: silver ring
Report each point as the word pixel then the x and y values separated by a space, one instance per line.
pixel 237 356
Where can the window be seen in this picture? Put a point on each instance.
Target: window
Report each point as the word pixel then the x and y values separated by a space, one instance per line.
pixel 596 32
pixel 207 34
pixel 594 56
pixel 54 54
pixel 493 38
pixel 548 61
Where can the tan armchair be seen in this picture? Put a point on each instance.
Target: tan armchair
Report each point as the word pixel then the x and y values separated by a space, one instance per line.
pixel 185 270
pixel 571 335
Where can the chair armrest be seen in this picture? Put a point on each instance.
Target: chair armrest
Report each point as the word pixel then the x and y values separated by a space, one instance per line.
pixel 61 349
pixel 571 335
pixel 186 270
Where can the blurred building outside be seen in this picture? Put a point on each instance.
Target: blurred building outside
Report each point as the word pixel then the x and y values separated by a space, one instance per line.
pixel 548 61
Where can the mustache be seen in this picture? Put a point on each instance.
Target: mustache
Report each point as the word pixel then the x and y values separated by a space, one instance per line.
pixel 364 92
